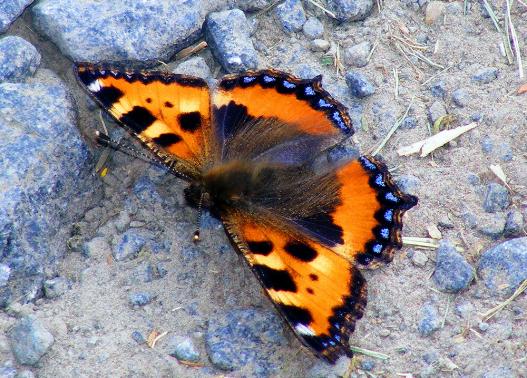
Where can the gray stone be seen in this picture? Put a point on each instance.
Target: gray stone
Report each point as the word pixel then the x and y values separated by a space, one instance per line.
pixel 408 183
pixel 359 84
pixel 30 340
pixel 313 28
pixel 241 337
pixel 438 89
pixel 227 34
pixel 409 123
pixel 320 45
pixel 183 349
pixel 46 181
pixel 465 310
pixel 5 272
pixel 10 10
pixel 19 59
pixel 503 267
pixel 195 66
pixel 25 374
pixel 436 111
pixel 461 97
pixel 291 15
pixel 486 144
pixel 496 198
pixel 140 299
pixel 483 327
pixel 249 5
pixel 485 75
pixel 121 30
pixel 419 259
pixel 55 287
pixel 351 10
pixel 138 337
pixel 429 322
pixel 129 245
pixel 452 273
pixel 492 225
pixel 357 55
pixel 513 224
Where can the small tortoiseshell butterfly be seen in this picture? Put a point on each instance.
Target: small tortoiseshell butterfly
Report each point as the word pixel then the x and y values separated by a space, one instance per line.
pixel 248 148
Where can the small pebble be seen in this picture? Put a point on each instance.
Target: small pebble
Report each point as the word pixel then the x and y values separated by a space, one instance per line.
pixel 359 84
pixel 409 123
pixel 483 326
pixel 292 15
pixel 434 10
pixel 438 89
pixel 436 111
pixel 492 225
pixel 183 349
pixel 367 365
pixel 513 224
pixel 452 273
pixel 138 337
pixel 313 28
pixel 430 321
pixel 485 75
pixel 357 55
pixel 408 183
pixel 320 45
pixel 503 267
pixel 129 245
pixel 140 299
pixel 55 287
pixel 30 340
pixel 351 10
pixel 496 198
pixel 460 97
pixel 194 66
pixel 419 259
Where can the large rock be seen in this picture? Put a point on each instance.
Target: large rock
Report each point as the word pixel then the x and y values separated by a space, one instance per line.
pixel 45 181
pixel 504 267
pixel 19 59
pixel 10 10
pixel 228 35
pixel 121 30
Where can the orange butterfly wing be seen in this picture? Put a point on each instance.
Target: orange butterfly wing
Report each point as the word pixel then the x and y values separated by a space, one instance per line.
pixel 319 293
pixel 273 94
pixel 169 113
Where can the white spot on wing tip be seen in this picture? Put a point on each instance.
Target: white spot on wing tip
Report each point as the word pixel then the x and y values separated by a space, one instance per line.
pixel 95 86
pixel 302 329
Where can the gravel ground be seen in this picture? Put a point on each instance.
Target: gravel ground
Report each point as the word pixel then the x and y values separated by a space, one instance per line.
pixel 91 268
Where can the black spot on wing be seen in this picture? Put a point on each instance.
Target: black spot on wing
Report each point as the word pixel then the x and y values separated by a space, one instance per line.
pixel 313 277
pixel 260 247
pixel 322 227
pixel 168 104
pixel 296 315
pixel 274 279
pixel 138 119
pixel 190 121
pixel 167 139
pixel 109 95
pixel 87 76
pixel 300 251
pixel 230 118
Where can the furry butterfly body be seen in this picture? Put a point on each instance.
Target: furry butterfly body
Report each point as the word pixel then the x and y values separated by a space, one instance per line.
pixel 251 151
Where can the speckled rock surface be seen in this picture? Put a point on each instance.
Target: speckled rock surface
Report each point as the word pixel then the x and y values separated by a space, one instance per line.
pixel 10 10
pixel 19 59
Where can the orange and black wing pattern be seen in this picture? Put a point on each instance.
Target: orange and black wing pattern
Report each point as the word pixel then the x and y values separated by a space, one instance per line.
pixel 318 292
pixel 365 223
pixel 169 113
pixel 302 104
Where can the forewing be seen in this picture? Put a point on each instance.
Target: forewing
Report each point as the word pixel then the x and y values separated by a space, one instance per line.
pixel 169 113
pixel 315 120
pixel 319 293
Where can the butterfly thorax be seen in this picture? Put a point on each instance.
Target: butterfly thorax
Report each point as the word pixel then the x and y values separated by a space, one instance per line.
pixel 234 184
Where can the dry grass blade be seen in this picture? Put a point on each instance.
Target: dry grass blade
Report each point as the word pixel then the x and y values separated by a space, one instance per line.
pixel 492 15
pixel 489 314
pixel 426 146
pixel 522 89
pixel 370 353
pixel 188 51
pixel 396 78
pixel 498 171
pixel 392 130
pixel 154 337
pixel 326 11
pixel 514 37
pixel 426 243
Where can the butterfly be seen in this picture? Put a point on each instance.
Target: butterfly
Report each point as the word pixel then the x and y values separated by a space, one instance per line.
pixel 252 149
